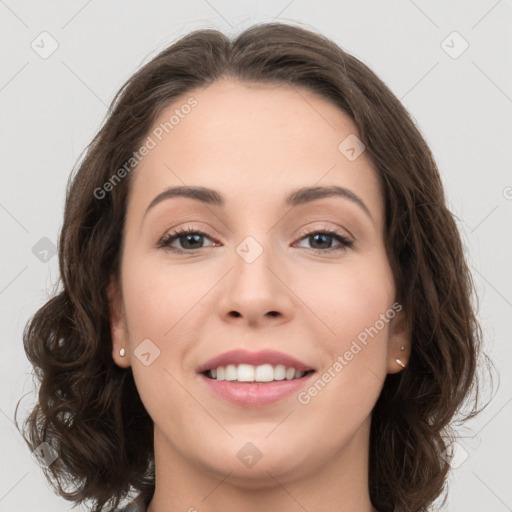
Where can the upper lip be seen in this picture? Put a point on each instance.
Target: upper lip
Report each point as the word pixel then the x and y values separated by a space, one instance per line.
pixel 237 357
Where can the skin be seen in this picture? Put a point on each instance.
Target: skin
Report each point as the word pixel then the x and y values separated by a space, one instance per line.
pixel 255 143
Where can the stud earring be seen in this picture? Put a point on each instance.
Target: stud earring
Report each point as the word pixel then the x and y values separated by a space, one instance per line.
pixel 122 352
pixel 402 348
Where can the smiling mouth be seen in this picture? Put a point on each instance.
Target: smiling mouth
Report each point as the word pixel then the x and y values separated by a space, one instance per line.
pixel 249 374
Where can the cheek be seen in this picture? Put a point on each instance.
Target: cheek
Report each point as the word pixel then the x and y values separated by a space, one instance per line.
pixel 347 299
pixel 353 307
pixel 159 306
pixel 159 298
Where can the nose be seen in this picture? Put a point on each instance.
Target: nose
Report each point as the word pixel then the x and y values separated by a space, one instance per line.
pixel 255 291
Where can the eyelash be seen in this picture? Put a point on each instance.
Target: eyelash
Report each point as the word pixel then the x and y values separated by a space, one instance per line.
pixel 166 241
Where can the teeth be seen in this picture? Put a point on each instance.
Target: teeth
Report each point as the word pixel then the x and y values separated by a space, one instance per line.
pixel 231 373
pixel 280 372
pixel 250 373
pixel 264 373
pixel 243 373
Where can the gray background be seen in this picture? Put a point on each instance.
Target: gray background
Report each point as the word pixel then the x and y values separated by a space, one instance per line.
pixel 51 107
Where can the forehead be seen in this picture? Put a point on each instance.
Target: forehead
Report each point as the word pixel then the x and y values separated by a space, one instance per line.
pixel 252 141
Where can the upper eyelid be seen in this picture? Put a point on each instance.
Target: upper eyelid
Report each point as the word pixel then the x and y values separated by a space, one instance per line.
pixel 302 231
pixel 319 213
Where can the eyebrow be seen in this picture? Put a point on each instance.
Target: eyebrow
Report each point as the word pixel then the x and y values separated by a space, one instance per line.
pixel 297 197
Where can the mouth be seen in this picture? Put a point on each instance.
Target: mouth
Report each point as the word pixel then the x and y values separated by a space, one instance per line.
pixel 252 379
pixel 251 374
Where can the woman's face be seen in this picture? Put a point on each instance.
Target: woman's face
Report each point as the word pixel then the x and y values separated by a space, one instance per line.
pixel 263 277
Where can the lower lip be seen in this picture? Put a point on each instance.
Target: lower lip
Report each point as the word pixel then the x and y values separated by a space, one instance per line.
pixel 252 394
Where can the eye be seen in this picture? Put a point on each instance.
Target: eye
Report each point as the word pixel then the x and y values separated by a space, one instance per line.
pixel 322 237
pixel 190 237
pixel 190 240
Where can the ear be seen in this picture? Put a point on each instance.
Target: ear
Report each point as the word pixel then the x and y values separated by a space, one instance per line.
pixel 399 336
pixel 118 330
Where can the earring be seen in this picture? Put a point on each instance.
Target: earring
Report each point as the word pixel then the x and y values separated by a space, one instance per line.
pixel 400 363
pixel 122 352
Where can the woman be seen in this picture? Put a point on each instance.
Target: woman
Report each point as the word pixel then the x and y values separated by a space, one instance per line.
pixel 206 351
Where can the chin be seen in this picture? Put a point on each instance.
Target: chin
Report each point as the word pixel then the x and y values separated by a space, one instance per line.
pixel 253 460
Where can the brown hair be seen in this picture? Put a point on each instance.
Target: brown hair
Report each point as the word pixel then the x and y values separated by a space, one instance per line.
pixel 89 408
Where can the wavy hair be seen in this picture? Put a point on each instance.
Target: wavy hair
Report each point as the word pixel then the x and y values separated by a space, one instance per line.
pixel 89 409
